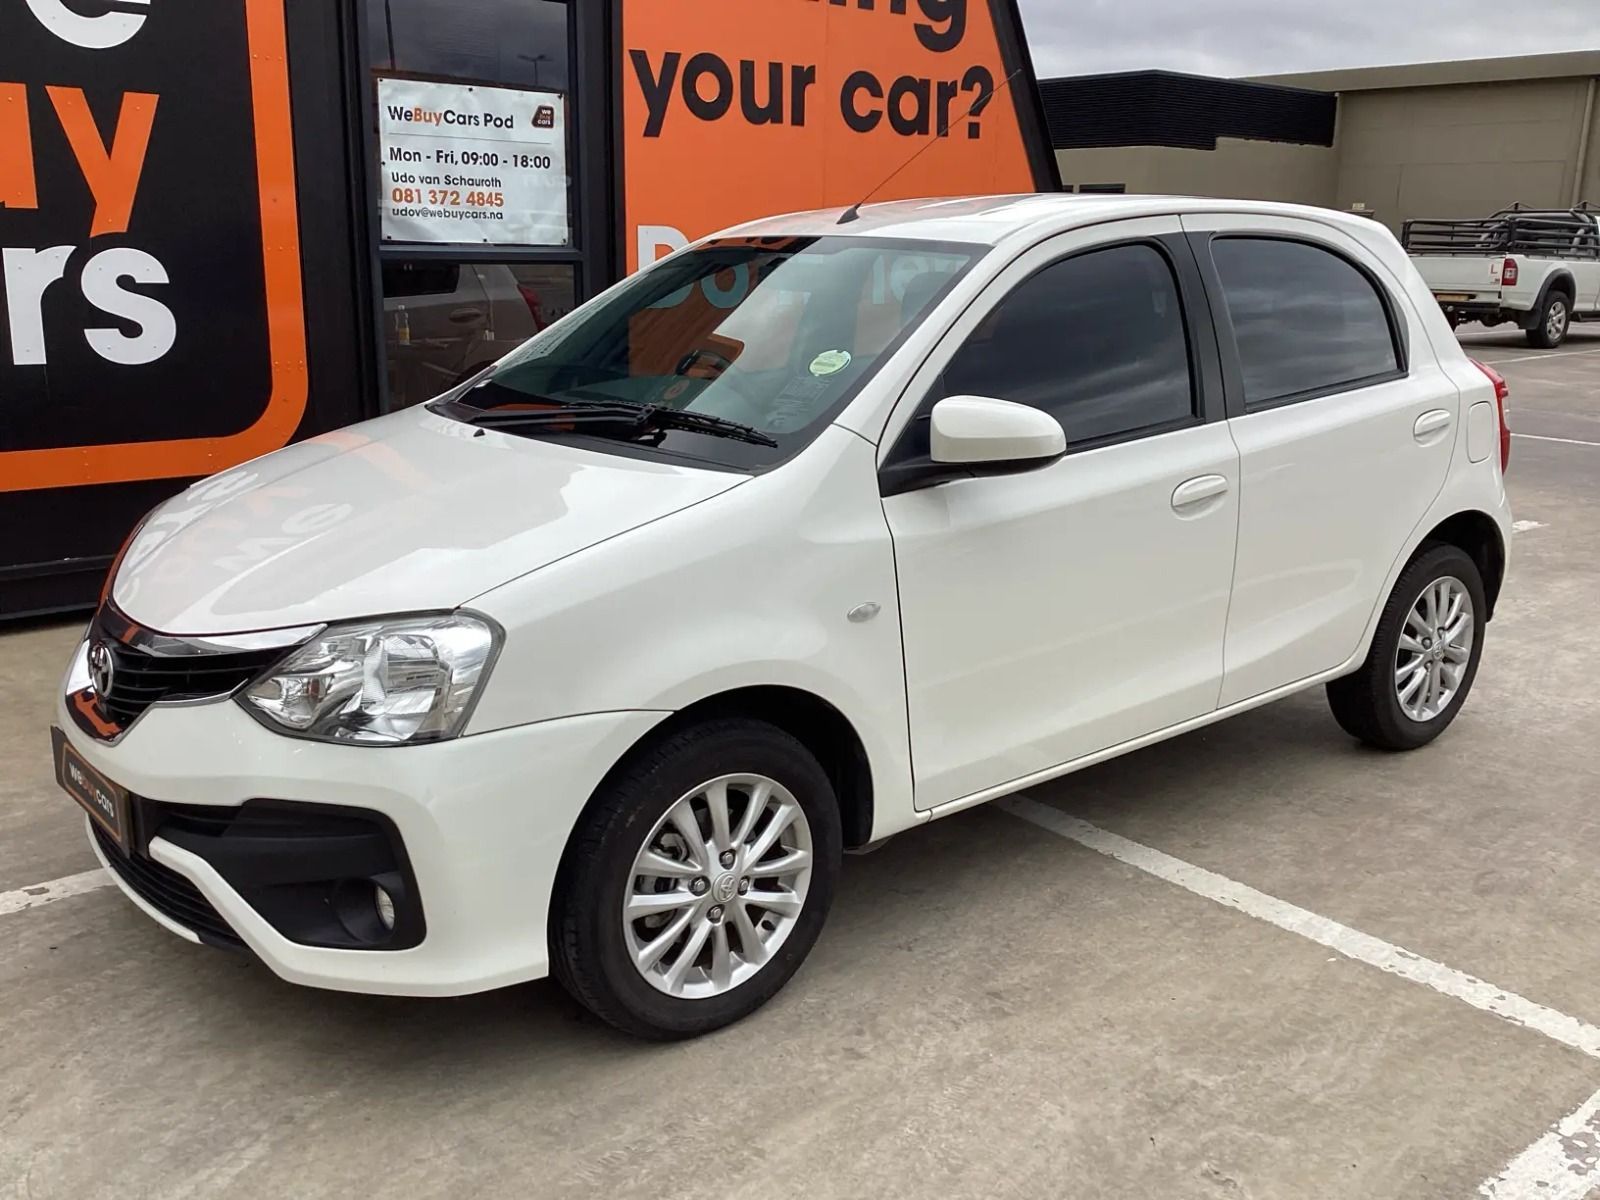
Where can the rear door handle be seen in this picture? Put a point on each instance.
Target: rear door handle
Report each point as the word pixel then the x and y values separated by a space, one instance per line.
pixel 1191 495
pixel 1432 424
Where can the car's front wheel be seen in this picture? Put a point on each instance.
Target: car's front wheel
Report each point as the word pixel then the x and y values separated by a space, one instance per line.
pixel 1424 656
pixel 697 880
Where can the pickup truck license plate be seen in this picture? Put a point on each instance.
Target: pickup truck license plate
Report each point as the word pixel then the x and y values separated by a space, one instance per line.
pixel 1452 297
pixel 104 801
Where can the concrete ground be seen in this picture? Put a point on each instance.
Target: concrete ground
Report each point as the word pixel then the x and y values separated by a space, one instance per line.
pixel 993 1010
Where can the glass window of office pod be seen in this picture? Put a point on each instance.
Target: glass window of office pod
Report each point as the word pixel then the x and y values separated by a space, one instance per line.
pixel 477 224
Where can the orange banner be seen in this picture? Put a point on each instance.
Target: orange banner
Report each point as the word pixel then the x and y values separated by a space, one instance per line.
pixel 734 110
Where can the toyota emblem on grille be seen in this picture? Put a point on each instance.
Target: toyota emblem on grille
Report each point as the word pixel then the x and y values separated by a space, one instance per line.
pixel 102 669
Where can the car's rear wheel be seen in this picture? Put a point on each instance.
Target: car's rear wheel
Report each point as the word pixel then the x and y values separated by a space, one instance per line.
pixel 698 880
pixel 1553 322
pixel 1424 656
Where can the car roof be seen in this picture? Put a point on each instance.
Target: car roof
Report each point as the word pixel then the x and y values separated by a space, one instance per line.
pixel 991 220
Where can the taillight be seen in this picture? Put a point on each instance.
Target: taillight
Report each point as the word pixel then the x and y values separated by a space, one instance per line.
pixel 535 305
pixel 1510 273
pixel 1502 393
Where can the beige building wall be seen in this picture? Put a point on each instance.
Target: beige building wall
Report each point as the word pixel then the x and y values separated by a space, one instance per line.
pixel 1445 140
pixel 1245 170
pixel 1462 151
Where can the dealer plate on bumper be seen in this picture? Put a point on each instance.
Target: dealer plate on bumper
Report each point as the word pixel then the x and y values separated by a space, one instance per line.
pixel 104 801
pixel 1452 297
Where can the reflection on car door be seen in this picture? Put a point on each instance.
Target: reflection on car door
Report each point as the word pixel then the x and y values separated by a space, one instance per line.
pixel 1345 423
pixel 1056 613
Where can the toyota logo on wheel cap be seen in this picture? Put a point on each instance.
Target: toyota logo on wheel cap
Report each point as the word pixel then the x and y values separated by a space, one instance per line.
pixel 102 668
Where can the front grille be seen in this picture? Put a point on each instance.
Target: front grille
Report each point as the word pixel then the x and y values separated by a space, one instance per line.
pixel 140 678
pixel 169 893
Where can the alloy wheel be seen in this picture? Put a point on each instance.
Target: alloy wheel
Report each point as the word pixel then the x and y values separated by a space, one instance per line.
pixel 1556 323
pixel 1435 649
pixel 717 886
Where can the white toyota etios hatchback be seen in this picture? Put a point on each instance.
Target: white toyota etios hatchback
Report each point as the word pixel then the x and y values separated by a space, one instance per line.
pixel 817 530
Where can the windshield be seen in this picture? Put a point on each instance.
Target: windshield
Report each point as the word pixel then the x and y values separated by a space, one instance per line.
pixel 773 334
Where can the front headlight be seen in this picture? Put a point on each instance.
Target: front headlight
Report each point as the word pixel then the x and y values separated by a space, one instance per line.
pixel 380 683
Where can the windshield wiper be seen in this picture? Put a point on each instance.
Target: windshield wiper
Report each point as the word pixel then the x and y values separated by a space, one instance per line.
pixel 629 416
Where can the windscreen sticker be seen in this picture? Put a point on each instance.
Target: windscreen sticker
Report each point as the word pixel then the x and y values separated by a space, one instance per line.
pixel 802 390
pixel 830 362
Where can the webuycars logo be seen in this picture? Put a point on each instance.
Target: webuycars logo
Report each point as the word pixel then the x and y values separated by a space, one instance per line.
pixel 130 165
pixel 450 118
pixel 417 116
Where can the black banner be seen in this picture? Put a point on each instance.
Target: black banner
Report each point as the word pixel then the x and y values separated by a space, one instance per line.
pixel 184 274
pixel 134 289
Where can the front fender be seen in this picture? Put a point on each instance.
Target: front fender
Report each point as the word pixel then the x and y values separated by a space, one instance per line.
pixel 1563 279
pixel 751 588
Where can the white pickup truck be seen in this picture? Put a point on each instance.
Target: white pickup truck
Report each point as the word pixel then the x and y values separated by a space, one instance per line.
pixel 1536 268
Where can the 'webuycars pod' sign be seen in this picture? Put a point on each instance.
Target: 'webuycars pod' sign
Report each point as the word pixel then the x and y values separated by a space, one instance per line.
pixel 151 317
pixel 733 111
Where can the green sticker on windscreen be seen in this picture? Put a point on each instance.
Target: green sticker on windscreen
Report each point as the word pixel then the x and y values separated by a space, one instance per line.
pixel 830 362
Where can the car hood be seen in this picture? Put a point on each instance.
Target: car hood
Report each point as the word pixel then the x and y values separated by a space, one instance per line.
pixel 408 513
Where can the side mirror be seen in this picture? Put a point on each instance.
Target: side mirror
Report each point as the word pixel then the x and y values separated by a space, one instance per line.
pixel 978 431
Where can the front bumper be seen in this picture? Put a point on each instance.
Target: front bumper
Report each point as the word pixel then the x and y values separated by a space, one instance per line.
pixel 483 821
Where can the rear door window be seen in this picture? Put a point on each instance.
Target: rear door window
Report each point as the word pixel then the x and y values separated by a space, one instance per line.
pixel 1306 320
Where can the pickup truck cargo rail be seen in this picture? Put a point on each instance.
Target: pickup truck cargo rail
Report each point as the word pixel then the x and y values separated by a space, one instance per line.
pixel 1570 234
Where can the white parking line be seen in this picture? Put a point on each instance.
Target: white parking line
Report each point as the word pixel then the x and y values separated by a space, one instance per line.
pixel 1351 943
pixel 1527 526
pixel 1499 362
pixel 49 893
pixel 1535 437
pixel 1564 1164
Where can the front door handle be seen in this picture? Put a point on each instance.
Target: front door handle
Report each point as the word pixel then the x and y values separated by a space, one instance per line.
pixel 1431 425
pixel 1191 495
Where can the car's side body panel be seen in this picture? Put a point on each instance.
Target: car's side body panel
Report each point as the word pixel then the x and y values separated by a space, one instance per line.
pixel 1332 486
pixel 1053 612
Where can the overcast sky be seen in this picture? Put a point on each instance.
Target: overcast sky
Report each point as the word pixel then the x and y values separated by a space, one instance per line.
pixel 1267 37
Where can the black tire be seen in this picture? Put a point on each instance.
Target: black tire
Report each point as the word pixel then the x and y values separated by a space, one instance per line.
pixel 589 953
pixel 1366 704
pixel 1554 321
